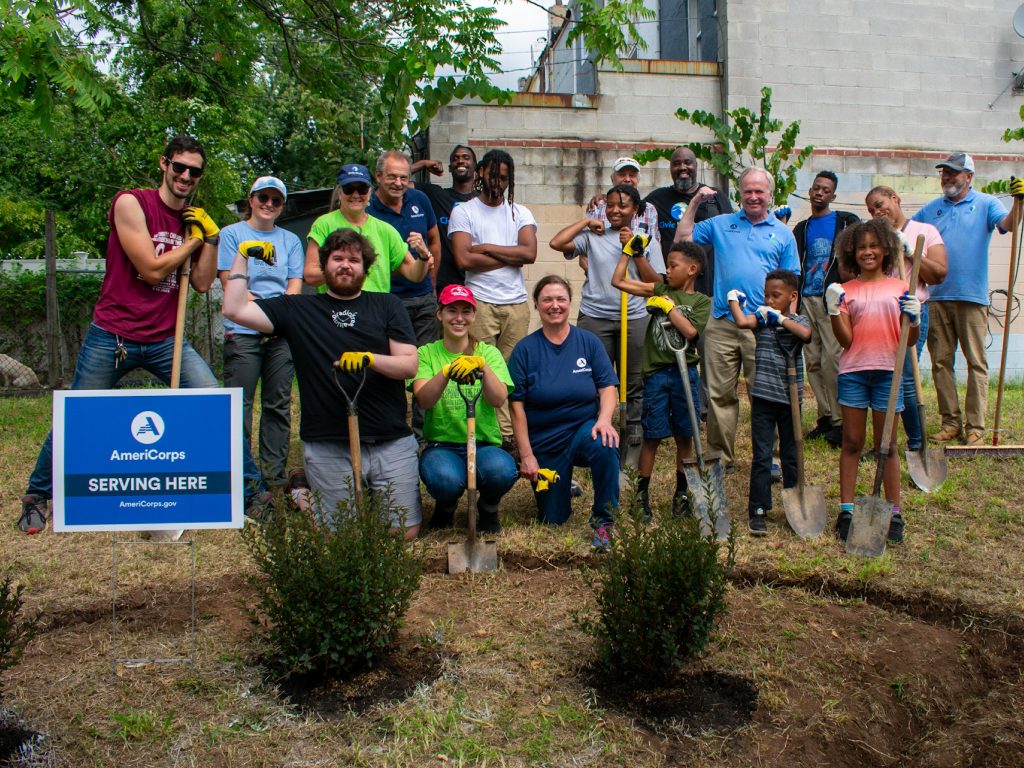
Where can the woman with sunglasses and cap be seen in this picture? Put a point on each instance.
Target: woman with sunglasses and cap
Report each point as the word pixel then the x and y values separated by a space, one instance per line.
pixel 458 357
pixel 249 356
pixel 353 195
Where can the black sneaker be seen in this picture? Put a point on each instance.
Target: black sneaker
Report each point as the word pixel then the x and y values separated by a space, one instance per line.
pixel 843 525
pixel 834 437
pixel 681 505
pixel 758 524
pixel 487 518
pixel 443 517
pixel 823 427
pixel 34 514
pixel 896 529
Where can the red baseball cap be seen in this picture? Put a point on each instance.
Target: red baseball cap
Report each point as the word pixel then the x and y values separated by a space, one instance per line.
pixel 455 292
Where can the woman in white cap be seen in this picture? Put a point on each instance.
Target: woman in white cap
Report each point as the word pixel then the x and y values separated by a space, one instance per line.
pixel 458 357
pixel 249 356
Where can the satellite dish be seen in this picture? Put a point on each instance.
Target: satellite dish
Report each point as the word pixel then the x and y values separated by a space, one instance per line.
pixel 1018 21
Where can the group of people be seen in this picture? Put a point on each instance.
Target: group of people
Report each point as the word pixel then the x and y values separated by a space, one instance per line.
pixel 421 289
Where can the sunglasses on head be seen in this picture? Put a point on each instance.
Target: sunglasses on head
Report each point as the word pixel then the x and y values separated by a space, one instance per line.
pixel 362 189
pixel 180 168
pixel 265 198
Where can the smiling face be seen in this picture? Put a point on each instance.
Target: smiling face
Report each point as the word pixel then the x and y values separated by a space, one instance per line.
pixel 462 165
pixel 456 318
pixel 619 210
pixel 393 180
pixel 869 254
pixel 683 168
pixel 181 185
pixel 882 206
pixel 354 198
pixel 264 208
pixel 756 196
pixel 955 184
pixel 552 305
pixel 344 272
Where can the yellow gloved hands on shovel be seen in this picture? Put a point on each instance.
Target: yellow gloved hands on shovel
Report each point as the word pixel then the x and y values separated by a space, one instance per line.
pixel 353 362
pixel 465 369
pixel 1016 186
pixel 546 478
pixel 257 249
pixel 660 305
pixel 636 245
pixel 200 225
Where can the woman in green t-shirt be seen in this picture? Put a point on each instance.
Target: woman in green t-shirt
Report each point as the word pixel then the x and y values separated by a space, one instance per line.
pixel 457 355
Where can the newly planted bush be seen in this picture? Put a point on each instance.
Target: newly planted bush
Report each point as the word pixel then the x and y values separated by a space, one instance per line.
pixel 331 600
pixel 660 595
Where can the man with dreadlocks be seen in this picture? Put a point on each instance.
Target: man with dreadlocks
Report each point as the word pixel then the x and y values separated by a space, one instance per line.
pixel 492 239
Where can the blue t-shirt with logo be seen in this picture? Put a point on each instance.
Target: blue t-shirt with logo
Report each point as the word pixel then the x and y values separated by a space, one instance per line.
pixel 417 215
pixel 966 228
pixel 558 385
pixel 819 233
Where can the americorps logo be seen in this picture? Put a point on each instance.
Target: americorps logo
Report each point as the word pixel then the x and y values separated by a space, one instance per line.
pixel 147 427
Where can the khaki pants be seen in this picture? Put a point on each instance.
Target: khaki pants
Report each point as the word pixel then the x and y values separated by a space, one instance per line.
pixel 502 325
pixel 966 323
pixel 727 349
pixel 821 359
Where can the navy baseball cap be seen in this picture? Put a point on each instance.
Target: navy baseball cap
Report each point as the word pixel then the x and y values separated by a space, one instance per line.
pixel 354 174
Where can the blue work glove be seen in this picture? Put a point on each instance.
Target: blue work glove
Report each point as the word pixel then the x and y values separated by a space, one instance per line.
pixel 782 213
pixel 835 295
pixel 910 306
pixel 768 316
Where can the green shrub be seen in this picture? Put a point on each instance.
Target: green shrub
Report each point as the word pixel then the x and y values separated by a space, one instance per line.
pixel 660 595
pixel 331 600
pixel 15 629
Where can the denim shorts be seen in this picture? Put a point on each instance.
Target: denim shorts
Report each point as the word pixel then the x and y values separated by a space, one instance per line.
pixel 664 412
pixel 863 389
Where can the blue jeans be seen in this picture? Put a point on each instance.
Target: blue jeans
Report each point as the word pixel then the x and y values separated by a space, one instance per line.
pixel 555 504
pixel 767 418
pixel 98 368
pixel 911 422
pixel 443 471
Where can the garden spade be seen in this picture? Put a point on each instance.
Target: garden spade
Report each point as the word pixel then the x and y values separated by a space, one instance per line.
pixel 706 481
pixel 354 443
pixel 871 514
pixel 473 554
pixel 927 466
pixel 623 418
pixel 804 504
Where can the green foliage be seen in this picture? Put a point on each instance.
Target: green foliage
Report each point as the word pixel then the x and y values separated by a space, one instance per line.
pixel 331 600
pixel 23 296
pixel 660 595
pixel 741 141
pixel 142 725
pixel 15 629
pixel 608 27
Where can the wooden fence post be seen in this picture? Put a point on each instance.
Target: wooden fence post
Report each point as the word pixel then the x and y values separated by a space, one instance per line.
pixel 52 318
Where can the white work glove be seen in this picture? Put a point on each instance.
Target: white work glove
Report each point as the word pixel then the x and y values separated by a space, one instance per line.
pixel 738 296
pixel 910 306
pixel 835 295
pixel 769 316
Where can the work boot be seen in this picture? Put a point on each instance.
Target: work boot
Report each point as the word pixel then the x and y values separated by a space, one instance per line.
pixel 975 438
pixel 823 427
pixel 834 437
pixel 443 517
pixel 34 514
pixel 487 518
pixel 947 433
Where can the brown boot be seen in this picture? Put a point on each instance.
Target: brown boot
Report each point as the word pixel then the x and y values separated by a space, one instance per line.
pixel 947 433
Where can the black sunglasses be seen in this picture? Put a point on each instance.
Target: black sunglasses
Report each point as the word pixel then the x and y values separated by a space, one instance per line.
pixel 274 200
pixel 362 189
pixel 180 168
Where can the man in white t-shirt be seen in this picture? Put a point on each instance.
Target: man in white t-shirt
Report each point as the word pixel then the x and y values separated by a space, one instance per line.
pixel 492 239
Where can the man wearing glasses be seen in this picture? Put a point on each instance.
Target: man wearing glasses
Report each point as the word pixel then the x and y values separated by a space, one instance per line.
pixel 353 195
pixel 152 234
pixel 250 356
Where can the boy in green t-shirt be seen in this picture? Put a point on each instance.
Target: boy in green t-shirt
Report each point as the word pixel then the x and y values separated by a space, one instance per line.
pixel 664 408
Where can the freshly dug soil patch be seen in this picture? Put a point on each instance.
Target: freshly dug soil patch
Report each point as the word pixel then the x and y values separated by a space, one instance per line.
pixel 11 738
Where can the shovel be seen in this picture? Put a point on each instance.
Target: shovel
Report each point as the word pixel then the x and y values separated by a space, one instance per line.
pixel 354 445
pixel 623 418
pixel 706 481
pixel 871 514
pixel 804 504
pixel 927 466
pixel 473 554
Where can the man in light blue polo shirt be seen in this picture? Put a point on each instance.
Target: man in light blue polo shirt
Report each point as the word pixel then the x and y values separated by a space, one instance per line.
pixel 748 245
pixel 958 311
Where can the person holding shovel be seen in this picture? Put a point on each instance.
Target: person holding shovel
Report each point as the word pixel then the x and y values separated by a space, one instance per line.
pixel 778 335
pixel 345 342
pixel 865 313
pixel 453 362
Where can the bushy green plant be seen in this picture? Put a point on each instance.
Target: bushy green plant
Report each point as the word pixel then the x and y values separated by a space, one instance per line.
pixel 331 600
pixel 15 629
pixel 660 595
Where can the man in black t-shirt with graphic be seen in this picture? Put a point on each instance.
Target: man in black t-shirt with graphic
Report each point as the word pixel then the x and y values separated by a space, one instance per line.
pixel 462 166
pixel 365 334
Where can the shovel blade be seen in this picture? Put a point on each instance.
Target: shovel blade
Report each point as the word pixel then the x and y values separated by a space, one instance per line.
pixel 869 528
pixel 478 557
pixel 707 497
pixel 928 471
pixel 805 510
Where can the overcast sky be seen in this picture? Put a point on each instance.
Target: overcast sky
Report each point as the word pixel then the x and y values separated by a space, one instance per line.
pixel 526 23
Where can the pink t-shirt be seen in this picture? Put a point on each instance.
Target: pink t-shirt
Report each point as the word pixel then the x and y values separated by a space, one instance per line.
pixel 874 312
pixel 911 229
pixel 128 305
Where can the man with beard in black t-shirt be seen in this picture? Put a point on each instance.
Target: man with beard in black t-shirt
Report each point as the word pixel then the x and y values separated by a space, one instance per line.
pixel 356 330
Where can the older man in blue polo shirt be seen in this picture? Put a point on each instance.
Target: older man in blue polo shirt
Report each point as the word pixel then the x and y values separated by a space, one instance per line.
pixel 748 245
pixel 958 307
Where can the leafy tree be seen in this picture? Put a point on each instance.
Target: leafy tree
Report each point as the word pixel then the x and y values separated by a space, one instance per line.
pixel 609 28
pixel 741 141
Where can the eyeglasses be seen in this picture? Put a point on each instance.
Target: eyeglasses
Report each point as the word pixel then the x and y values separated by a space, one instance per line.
pixel 391 178
pixel 362 189
pixel 180 168
pixel 274 200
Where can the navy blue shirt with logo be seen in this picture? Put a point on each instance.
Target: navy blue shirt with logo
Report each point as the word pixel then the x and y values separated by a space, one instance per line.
pixel 417 215
pixel 445 200
pixel 558 385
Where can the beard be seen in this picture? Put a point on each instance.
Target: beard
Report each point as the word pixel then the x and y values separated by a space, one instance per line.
pixel 345 288
pixel 682 183
pixel 953 190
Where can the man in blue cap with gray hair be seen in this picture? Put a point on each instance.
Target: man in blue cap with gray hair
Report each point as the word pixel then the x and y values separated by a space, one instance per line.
pixel 249 356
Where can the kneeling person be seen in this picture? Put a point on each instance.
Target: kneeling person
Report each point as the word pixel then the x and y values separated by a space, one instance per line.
pixel 455 361
pixel 359 330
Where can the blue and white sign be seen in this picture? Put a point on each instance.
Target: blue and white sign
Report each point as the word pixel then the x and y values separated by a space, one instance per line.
pixel 147 459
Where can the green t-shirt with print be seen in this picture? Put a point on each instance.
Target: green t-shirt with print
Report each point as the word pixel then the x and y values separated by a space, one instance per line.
pixel 657 353
pixel 446 421
pixel 384 238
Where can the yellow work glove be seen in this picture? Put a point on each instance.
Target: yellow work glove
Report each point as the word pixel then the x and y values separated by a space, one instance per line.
pixel 636 245
pixel 545 478
pixel 198 218
pixel 660 305
pixel 1016 186
pixel 257 249
pixel 353 362
pixel 464 369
